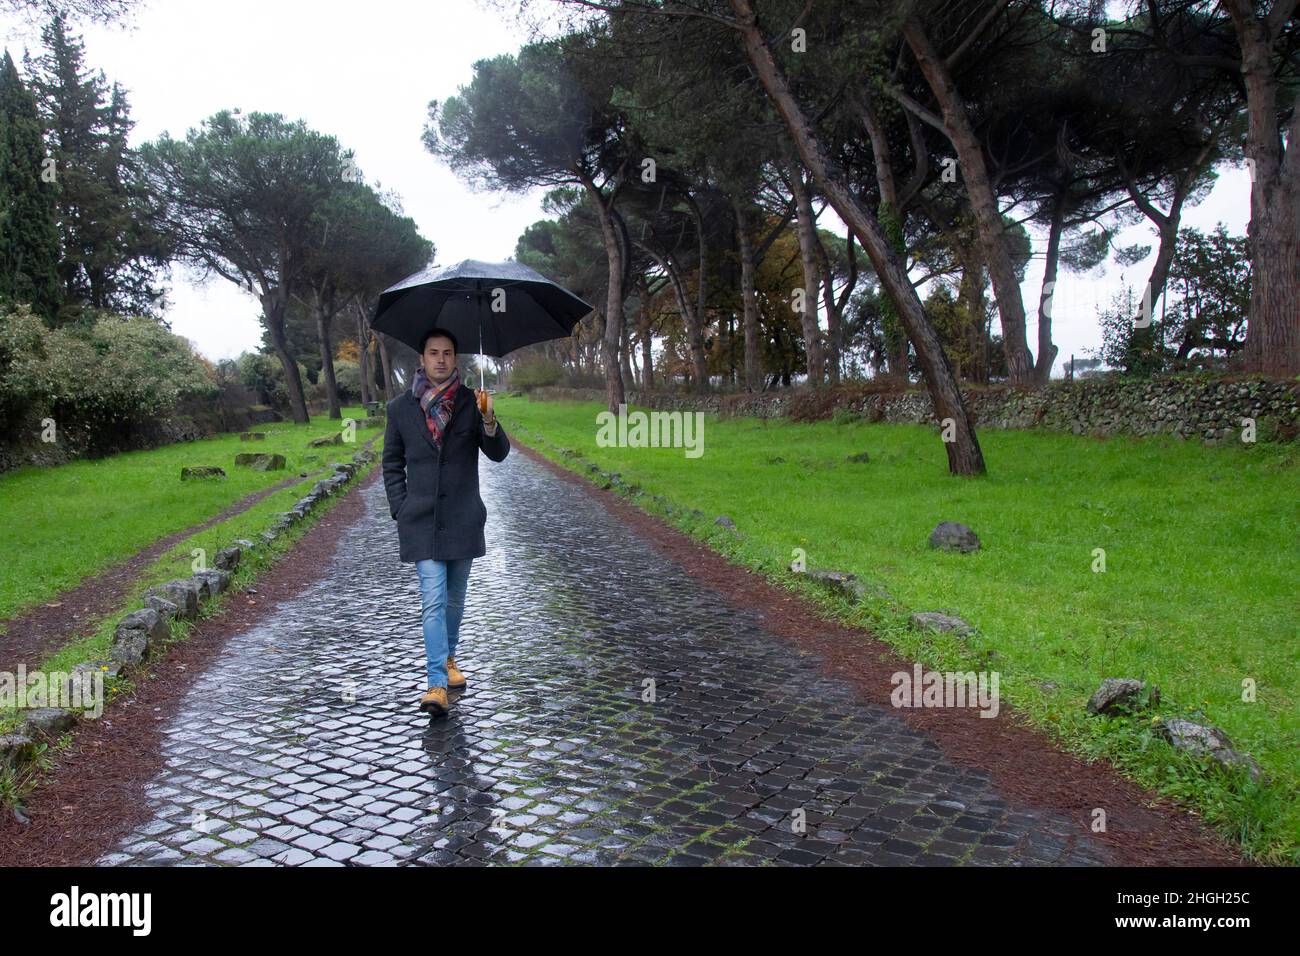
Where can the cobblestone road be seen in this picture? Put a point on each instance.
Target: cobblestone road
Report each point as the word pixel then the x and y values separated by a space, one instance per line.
pixel 303 745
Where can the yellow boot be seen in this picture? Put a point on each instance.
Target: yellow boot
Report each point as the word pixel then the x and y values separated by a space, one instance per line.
pixel 434 702
pixel 454 677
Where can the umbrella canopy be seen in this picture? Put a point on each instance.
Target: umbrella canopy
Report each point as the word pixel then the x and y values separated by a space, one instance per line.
pixel 463 299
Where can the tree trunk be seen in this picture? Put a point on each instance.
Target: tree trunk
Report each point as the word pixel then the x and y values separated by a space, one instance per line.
pixel 625 356
pixel 964 454
pixel 1167 223
pixel 613 299
pixel 694 328
pixel 731 349
pixel 806 230
pixel 831 350
pixel 970 294
pixel 643 328
pixel 363 351
pixel 1168 229
pixel 748 297
pixel 891 326
pixel 979 191
pixel 1273 335
pixel 273 307
pixel 881 154
pixel 647 360
pixel 1273 332
pixel 592 347
pixel 324 320
pixel 891 220
pixel 694 335
pixel 834 309
pixel 1047 350
pixel 387 367
pixel 702 309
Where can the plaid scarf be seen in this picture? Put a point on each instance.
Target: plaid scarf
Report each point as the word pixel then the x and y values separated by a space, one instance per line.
pixel 436 402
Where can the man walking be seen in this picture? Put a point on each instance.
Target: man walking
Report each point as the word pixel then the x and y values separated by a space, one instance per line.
pixel 430 464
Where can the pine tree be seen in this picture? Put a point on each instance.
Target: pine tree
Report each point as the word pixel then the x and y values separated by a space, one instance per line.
pixel 29 237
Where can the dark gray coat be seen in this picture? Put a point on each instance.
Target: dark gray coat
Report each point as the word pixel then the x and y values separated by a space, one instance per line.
pixel 434 496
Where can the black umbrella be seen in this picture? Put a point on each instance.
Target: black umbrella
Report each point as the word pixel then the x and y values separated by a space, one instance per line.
pixel 502 306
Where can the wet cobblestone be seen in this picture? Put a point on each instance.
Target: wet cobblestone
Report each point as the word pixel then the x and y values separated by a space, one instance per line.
pixel 303 746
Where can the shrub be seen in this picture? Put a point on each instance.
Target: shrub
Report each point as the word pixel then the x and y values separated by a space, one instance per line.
pixel 99 379
pixel 536 373
pixel 347 375
pixel 141 371
pixel 231 407
pixel 263 375
pixel 22 353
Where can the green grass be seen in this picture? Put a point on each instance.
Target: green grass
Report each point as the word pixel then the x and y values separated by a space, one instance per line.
pixel 1198 593
pixel 178 562
pixel 66 522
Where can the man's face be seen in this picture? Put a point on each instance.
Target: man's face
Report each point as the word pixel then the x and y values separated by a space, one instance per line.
pixel 438 359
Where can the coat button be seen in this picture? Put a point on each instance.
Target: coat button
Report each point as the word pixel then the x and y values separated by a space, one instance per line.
pixel 439 527
pixel 442 494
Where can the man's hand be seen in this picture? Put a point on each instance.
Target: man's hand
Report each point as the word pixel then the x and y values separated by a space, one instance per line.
pixel 488 412
pixel 493 438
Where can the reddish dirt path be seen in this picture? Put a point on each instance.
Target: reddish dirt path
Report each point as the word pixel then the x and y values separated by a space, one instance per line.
pixel 1142 828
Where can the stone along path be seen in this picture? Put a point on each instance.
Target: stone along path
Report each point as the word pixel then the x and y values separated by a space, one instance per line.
pixel 303 745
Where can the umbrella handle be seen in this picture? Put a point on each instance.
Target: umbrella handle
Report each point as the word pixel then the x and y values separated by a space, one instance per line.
pixel 482 398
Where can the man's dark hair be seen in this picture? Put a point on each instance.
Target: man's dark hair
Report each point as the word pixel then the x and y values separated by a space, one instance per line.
pixel 424 342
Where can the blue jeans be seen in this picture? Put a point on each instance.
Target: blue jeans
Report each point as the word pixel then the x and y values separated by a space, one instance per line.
pixel 442 602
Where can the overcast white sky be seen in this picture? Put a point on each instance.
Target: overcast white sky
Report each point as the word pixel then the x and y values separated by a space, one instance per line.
pixel 365 73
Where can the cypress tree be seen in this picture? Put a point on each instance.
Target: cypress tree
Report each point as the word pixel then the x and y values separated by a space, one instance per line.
pixel 127 249
pixel 29 237
pixel 70 97
pixel 111 253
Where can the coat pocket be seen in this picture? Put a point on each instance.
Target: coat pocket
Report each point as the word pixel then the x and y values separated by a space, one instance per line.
pixel 413 506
